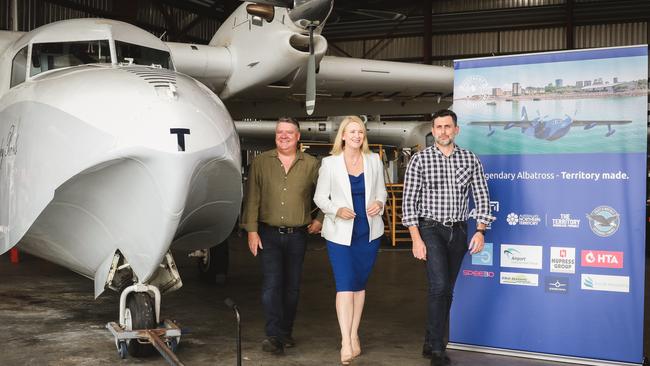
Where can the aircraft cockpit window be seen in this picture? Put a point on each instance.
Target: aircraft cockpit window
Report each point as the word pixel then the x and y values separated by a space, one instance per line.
pixel 50 56
pixel 140 55
pixel 19 67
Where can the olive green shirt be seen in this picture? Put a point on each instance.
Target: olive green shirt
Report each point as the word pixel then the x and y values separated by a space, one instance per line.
pixel 277 198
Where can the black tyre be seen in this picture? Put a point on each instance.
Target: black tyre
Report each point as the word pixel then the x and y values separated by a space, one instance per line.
pixel 213 268
pixel 140 314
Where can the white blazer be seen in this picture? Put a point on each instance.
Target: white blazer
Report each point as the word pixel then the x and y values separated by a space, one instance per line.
pixel 333 191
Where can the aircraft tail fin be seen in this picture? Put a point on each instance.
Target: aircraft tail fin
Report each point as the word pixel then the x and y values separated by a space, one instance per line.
pixel 524 114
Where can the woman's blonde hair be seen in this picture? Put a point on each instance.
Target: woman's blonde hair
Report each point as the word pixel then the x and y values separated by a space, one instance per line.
pixel 338 141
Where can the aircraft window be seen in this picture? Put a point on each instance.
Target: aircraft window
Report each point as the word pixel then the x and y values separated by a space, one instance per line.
pixel 429 140
pixel 142 55
pixel 50 56
pixel 19 67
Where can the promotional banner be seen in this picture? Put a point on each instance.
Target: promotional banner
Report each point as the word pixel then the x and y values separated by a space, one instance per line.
pixel 562 137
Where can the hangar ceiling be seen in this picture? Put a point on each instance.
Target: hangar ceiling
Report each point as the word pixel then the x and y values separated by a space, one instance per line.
pixel 429 31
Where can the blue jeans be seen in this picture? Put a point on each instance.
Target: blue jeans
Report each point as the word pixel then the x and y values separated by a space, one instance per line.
pixel 446 247
pixel 281 259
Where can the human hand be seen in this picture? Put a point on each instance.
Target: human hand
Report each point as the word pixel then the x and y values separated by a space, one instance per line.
pixel 254 242
pixel 345 213
pixel 419 249
pixel 314 227
pixel 477 243
pixel 374 208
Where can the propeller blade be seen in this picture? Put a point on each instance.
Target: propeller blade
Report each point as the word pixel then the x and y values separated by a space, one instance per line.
pixel 310 93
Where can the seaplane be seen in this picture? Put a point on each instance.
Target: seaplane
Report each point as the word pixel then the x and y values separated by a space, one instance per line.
pixel 550 129
pixel 116 147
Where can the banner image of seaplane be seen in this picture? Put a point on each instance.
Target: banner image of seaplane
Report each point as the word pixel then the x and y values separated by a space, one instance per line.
pixel 116 147
pixel 549 129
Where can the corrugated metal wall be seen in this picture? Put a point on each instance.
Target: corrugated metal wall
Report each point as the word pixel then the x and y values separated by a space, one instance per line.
pixel 34 13
pixel 605 35
pixel 447 47
pixel 448 6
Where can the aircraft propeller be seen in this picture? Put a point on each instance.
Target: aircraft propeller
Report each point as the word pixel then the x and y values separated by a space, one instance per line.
pixel 308 15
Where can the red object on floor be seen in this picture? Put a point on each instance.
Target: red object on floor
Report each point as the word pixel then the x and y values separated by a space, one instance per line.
pixel 13 255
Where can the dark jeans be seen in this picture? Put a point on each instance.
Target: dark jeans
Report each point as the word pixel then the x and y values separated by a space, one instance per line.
pixel 446 247
pixel 281 260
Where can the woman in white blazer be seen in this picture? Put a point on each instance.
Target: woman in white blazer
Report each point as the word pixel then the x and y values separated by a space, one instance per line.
pixel 351 193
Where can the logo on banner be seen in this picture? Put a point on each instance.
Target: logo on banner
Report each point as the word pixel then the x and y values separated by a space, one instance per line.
pixel 477 89
pixel 563 260
pixel 523 219
pixel 521 279
pixel 557 285
pixel 521 256
pixel 494 208
pixel 565 220
pixel 484 257
pixel 604 221
pixel 605 283
pixel 472 273
pixel 600 258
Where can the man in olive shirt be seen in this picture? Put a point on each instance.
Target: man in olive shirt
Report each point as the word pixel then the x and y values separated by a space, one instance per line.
pixel 277 217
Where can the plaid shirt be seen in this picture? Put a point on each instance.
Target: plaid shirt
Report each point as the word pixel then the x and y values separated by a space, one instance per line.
pixel 437 187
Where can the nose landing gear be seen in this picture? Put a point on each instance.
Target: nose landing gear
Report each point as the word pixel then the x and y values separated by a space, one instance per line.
pixel 140 331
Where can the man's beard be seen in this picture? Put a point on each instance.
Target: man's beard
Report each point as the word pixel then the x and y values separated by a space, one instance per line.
pixel 446 142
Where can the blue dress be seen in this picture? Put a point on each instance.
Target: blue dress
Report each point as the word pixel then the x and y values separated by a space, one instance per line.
pixel 352 264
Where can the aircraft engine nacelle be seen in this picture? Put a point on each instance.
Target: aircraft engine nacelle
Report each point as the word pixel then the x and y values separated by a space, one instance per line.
pixel 266 56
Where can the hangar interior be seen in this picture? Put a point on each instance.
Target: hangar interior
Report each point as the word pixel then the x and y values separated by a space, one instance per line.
pixel 48 312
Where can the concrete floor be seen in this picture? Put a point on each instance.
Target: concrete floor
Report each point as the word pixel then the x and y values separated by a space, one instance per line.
pixel 49 316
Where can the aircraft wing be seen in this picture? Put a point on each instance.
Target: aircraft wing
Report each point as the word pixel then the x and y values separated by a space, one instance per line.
pixel 353 86
pixel 580 123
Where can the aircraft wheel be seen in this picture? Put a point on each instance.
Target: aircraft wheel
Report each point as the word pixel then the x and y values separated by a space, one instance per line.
pixel 140 313
pixel 213 267
pixel 122 350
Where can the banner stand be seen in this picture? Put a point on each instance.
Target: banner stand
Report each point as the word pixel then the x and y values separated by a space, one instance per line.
pixel 539 356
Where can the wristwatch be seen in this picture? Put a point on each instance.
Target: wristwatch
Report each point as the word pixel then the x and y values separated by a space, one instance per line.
pixel 482 231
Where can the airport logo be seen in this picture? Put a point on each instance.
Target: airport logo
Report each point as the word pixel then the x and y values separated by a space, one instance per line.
pixel 521 256
pixel 484 257
pixel 523 219
pixel 604 221
pixel 565 220
pixel 472 273
pixel 557 285
pixel 563 260
pixel 520 279
pixel 605 283
pixel 601 258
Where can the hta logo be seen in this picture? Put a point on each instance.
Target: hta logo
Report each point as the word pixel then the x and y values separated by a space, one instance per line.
pixel 604 221
pixel 600 258
pixel 472 273
pixel 557 285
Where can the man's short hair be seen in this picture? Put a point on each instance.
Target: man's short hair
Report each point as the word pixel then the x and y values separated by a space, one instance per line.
pixel 445 113
pixel 290 120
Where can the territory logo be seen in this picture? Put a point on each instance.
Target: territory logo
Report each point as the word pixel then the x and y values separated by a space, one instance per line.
pixel 604 221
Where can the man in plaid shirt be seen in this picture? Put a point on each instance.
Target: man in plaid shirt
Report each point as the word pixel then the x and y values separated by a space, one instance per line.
pixel 434 208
